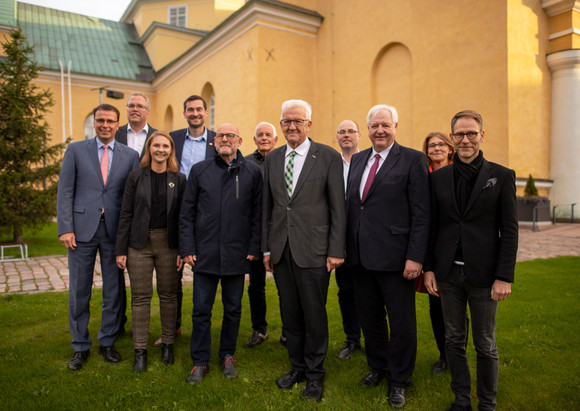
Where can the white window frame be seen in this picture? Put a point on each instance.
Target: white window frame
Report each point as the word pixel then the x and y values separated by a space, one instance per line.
pixel 179 17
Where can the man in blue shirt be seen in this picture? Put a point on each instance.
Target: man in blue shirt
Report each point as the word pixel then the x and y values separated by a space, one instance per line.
pixel 192 145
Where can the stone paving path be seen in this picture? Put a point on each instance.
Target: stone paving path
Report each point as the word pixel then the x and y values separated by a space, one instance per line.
pixel 42 274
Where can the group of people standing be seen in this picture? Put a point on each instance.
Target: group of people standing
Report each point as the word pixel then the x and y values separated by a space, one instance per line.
pixel 377 217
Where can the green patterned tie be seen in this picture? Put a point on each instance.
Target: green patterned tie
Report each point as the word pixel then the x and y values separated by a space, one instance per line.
pixel 288 175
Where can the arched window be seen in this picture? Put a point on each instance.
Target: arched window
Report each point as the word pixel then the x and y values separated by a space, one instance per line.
pixel 168 120
pixel 89 130
pixel 212 112
pixel 208 95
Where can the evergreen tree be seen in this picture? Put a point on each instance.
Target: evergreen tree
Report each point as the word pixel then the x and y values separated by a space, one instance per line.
pixel 29 167
pixel 531 190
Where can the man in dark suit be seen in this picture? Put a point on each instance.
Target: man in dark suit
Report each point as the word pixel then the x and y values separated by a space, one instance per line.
pixel 303 229
pixel 387 235
pixel 136 132
pixel 265 138
pixel 90 192
pixel 472 255
pixel 192 145
pixel 347 137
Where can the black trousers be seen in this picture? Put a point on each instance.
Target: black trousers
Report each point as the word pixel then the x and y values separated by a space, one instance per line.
pixel 391 347
pixel 303 293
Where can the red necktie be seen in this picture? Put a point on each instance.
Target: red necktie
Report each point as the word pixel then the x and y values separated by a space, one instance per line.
pixel 105 163
pixel 371 176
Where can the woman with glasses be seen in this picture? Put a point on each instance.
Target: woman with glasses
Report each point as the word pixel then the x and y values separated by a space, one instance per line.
pixel 147 239
pixel 439 151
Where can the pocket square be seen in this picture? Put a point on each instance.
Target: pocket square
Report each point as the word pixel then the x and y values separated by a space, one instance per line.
pixel 490 183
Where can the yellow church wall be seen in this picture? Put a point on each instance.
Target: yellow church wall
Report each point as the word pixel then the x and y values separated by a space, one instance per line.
pixel 461 66
pixel 529 81
pixel 427 60
pixel 164 45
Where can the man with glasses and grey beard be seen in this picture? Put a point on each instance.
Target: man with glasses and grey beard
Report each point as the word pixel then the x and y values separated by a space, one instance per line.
pixel 219 235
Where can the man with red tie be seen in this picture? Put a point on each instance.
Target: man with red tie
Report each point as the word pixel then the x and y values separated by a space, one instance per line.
pixel 90 192
pixel 387 235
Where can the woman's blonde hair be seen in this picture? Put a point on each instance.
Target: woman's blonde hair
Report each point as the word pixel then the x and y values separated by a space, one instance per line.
pixel 171 161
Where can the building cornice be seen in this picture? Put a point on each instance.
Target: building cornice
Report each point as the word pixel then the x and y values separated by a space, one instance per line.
pixel 555 7
pixel 267 13
pixel 83 80
pixel 157 25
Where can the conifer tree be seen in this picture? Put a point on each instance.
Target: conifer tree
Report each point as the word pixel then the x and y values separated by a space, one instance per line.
pixel 29 166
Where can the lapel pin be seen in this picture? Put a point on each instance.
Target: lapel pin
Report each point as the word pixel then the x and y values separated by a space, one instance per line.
pixel 171 185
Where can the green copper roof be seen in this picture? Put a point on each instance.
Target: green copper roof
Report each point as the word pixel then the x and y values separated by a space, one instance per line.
pixel 96 47
pixel 7 15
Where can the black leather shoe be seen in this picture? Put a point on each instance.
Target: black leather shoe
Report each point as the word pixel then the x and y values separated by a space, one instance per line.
pixel 372 380
pixel 110 354
pixel 440 367
pixel 313 390
pixel 140 364
pixel 457 407
pixel 167 354
pixel 78 360
pixel 347 350
pixel 397 397
pixel 287 381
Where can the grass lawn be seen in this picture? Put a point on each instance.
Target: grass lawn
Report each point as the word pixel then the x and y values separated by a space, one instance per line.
pixel 40 243
pixel 537 339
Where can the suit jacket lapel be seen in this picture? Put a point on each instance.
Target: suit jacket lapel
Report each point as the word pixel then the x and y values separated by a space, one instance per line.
pixel 482 178
pixel 147 185
pixel 356 172
pixel 309 162
pixel 389 163
pixel 93 152
pixel 449 188
pixel 171 184
pixel 116 160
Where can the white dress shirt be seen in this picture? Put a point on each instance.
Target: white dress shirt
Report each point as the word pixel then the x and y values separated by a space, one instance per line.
pixel 136 140
pixel 383 156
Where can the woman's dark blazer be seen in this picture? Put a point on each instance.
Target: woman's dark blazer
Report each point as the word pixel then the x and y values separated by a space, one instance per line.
pixel 133 229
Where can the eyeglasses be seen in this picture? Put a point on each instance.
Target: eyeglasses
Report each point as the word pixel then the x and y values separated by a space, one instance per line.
pixel 101 121
pixel 229 136
pixel 297 123
pixel 350 131
pixel 471 135
pixel 434 145
pixel 139 106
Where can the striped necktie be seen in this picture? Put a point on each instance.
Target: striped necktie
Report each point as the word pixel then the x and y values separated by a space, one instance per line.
pixel 289 174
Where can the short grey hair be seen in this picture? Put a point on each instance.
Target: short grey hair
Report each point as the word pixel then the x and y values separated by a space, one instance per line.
pixel 383 107
pixel 265 123
pixel 142 95
pixel 288 104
